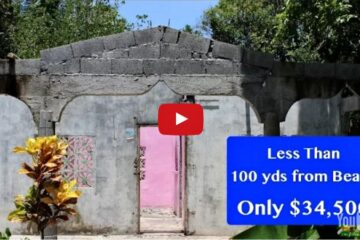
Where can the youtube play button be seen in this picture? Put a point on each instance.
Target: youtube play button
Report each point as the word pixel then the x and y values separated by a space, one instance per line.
pixel 181 119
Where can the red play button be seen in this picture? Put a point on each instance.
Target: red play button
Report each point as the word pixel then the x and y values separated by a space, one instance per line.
pixel 181 119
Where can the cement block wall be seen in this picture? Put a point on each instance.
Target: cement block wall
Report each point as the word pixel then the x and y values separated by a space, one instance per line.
pixel 96 87
pixel 111 206
pixel 108 117
pixel 206 163
pixel 270 86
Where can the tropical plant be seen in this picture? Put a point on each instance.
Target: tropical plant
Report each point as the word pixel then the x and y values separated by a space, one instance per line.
pixel 6 235
pixel 50 198
pixel 279 232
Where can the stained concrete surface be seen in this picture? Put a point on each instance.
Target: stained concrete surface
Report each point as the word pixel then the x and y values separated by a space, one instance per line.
pixel 164 224
pixel 157 220
pixel 111 206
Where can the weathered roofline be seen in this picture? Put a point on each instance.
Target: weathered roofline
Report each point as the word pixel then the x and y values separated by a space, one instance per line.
pixel 163 50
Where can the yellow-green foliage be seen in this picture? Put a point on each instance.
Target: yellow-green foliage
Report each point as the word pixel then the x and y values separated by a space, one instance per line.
pixel 50 198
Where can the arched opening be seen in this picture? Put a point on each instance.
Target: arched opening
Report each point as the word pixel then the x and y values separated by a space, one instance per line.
pixel 16 125
pixel 314 117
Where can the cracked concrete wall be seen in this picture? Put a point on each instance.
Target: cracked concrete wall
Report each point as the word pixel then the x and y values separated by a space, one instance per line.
pixel 206 163
pixel 111 207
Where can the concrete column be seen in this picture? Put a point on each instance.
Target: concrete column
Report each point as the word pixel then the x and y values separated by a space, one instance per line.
pixel 47 128
pixel 272 128
pixel 271 124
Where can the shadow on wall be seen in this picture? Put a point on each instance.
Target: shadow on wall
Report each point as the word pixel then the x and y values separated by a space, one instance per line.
pixel 314 117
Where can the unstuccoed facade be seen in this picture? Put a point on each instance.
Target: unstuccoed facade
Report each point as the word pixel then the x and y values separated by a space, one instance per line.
pixel 99 91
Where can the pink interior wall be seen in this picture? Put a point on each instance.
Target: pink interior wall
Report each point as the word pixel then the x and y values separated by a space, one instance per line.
pixel 159 189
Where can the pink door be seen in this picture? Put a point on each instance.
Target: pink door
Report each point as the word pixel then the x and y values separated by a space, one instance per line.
pixel 159 185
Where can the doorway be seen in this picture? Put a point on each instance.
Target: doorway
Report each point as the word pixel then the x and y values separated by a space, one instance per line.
pixel 161 178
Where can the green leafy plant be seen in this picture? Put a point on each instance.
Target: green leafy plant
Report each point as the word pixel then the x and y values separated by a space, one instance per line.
pixel 294 232
pixel 264 232
pixel 50 198
pixel 6 235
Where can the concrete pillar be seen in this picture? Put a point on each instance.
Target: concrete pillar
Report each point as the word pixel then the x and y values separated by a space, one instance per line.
pixel 47 128
pixel 272 128
pixel 271 124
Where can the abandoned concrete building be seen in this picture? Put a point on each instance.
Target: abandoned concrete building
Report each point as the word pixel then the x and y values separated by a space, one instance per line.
pixel 101 93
